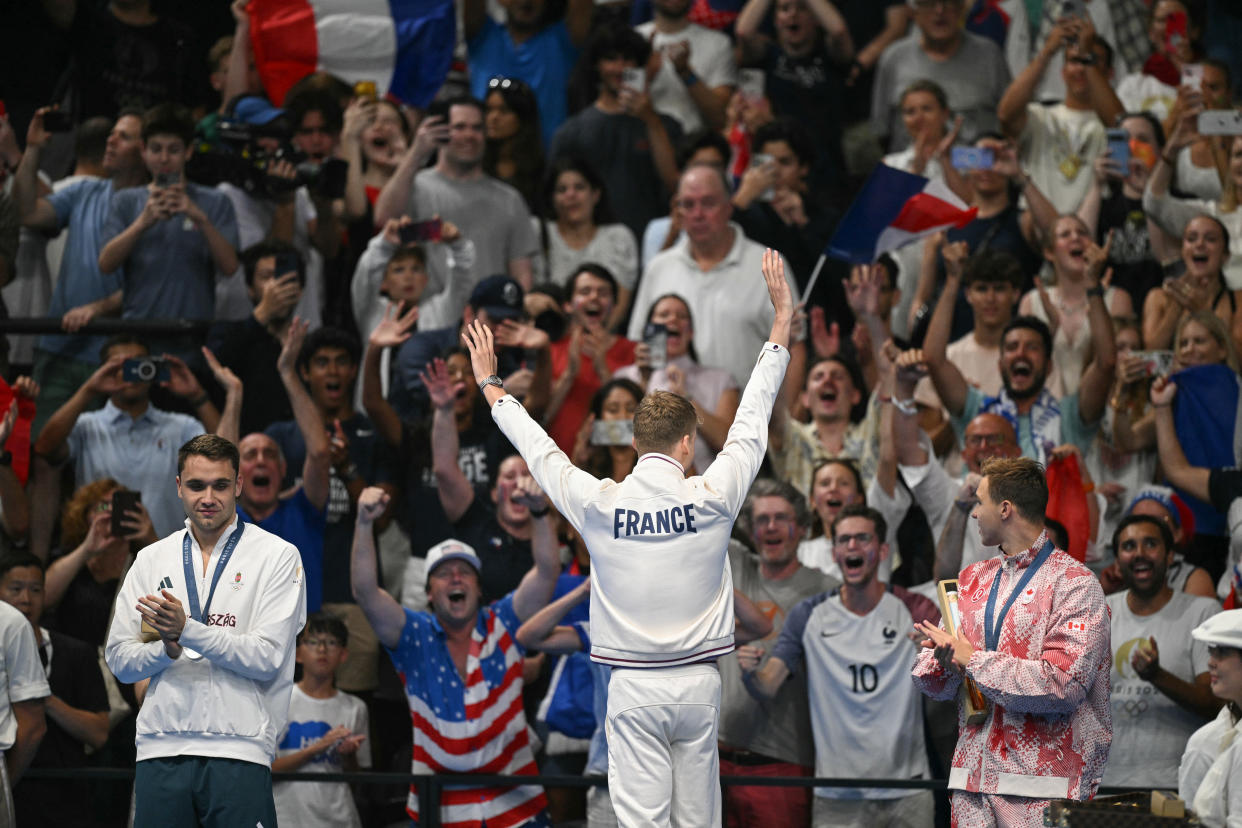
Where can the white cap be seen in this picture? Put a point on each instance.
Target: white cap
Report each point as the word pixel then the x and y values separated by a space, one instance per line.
pixel 447 551
pixel 1221 630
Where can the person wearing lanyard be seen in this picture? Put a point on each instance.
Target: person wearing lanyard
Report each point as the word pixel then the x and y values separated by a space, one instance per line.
pixel 218 608
pixel 1034 636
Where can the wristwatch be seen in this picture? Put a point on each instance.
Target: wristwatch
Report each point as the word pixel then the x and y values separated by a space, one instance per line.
pixel 492 380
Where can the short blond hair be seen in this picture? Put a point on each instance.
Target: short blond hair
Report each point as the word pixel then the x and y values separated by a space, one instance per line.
pixel 661 420
pixel 1215 328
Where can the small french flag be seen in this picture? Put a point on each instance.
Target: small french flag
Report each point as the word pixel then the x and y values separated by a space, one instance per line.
pixel 894 209
pixel 404 46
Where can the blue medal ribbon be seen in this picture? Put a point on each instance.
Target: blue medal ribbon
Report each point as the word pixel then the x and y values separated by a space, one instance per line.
pixel 191 579
pixel 992 631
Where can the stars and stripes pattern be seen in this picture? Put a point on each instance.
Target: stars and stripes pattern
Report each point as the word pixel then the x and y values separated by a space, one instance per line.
pixel 475 726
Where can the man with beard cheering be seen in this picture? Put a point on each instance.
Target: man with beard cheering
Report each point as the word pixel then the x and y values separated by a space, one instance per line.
pixel 1041 420
pixel 1160 688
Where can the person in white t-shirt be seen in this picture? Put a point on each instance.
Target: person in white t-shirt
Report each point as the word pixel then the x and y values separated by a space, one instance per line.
pixel 696 73
pixel 1212 763
pixel 992 283
pixel 1058 144
pixel 866 715
pixel 326 733
pixel 1160 683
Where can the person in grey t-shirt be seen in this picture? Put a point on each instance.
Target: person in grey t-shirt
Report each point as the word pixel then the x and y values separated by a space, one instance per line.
pixel 485 209
pixel 971 70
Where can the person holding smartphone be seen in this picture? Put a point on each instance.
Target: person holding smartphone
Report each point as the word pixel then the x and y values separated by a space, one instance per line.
pixel 169 240
pixel 674 366
pixel 1175 215
pixel 605 444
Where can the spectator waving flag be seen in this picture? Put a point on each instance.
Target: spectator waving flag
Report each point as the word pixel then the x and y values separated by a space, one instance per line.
pixel 894 209
pixel 404 46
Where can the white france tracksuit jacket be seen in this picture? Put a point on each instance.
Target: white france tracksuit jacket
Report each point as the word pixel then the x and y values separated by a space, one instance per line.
pixel 661 589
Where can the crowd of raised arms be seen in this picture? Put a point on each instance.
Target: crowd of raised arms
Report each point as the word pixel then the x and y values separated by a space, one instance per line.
pixel 596 184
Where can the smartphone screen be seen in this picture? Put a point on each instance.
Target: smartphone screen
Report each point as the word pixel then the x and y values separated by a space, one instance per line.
pixel 122 502
pixel 1119 148
pixel 655 336
pixel 634 78
pixel 422 231
pixel 612 433
pixel 972 158
pixel 286 263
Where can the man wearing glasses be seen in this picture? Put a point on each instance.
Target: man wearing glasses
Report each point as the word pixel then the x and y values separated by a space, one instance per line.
pixel 772 736
pixel 712 266
pixel 326 732
pixel 852 647
pixel 971 70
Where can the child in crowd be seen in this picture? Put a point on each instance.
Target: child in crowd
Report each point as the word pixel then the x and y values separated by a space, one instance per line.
pixel 393 272
pixel 326 733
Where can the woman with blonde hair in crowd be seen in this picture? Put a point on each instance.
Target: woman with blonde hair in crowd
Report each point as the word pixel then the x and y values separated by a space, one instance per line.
pixel 1202 286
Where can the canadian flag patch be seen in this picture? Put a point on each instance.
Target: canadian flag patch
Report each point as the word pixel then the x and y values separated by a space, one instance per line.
pixel 1076 625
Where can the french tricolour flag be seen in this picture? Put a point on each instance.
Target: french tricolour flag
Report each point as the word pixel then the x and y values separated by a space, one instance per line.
pixel 894 209
pixel 404 46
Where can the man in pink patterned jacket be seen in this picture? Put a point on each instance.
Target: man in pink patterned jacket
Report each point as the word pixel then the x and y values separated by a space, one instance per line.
pixel 1035 639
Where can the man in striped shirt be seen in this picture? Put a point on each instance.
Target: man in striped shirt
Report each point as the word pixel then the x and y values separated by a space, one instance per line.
pixel 462 666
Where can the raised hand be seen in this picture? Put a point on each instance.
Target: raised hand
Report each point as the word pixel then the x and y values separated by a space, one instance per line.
pixel 431 133
pixel 225 376
pixel 394 328
pixel 338 448
pixel 107 377
pixel 513 334
pixel 358 116
pixel 439 384
pixel 137 525
pixel 1097 257
pixel 371 504
pixel 862 291
pixel 778 287
pixel 1050 307
pixel 955 255
pixel 527 493
pixel 292 346
pixel 478 340
pixel 181 380
pixel 911 365
pixel 36 135
pixel 825 338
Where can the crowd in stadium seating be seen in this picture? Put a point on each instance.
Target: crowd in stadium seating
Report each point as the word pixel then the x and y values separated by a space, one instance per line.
pixel 597 182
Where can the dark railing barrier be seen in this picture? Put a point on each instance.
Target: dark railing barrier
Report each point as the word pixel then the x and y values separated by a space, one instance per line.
pixel 107 325
pixel 429 786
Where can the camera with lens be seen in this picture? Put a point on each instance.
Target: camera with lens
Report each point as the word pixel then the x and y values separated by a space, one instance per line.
pixel 145 369
pixel 241 154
